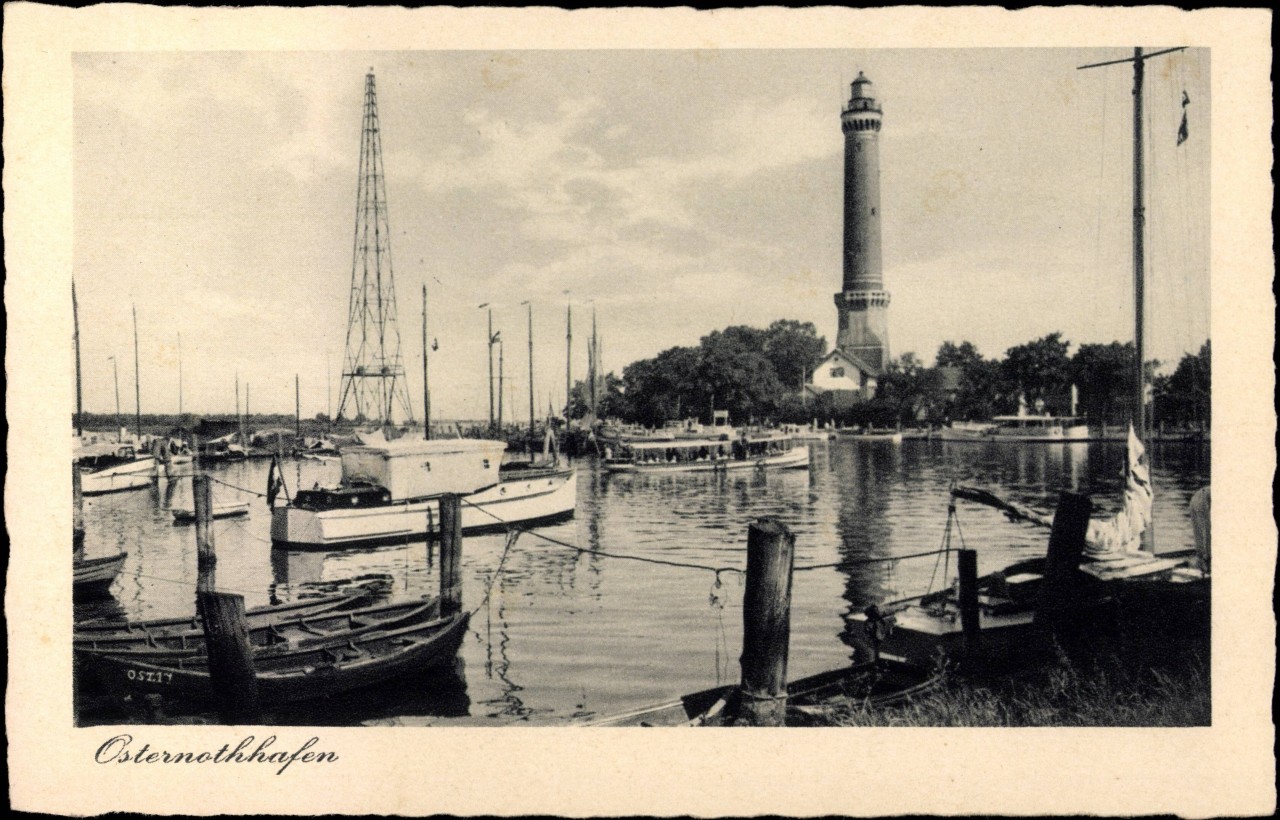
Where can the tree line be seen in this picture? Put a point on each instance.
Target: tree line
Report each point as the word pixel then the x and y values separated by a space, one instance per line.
pixel 757 375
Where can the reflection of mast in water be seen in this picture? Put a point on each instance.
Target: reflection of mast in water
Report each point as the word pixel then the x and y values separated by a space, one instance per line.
pixel 291 568
pixel 514 707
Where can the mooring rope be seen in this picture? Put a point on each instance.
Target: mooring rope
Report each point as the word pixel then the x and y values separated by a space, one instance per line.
pixel 705 567
pixel 234 487
pixel 512 535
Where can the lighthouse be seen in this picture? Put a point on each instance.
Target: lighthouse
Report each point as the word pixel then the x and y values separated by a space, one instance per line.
pixel 852 369
pixel 862 305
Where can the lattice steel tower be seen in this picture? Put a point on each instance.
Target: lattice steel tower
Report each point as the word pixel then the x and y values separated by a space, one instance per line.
pixel 373 378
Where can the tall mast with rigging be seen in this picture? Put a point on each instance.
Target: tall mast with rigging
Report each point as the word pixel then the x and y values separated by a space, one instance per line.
pixel 1141 420
pixel 75 322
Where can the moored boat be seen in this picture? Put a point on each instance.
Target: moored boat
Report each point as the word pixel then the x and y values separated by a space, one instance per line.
pixel 871 434
pixel 390 493
pixel 191 626
pixel 298 675
pixel 95 575
pixel 871 685
pixel 230 509
pixel 770 450
pixel 268 637
pixel 117 469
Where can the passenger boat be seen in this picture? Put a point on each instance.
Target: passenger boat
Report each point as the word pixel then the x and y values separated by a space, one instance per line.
pixel 281 635
pixel 95 575
pixel 231 509
pixel 1019 428
pixel 770 450
pixel 390 494
pixel 157 629
pixel 299 674
pixel 877 684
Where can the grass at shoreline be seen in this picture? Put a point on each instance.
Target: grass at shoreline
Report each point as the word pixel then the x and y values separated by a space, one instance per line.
pixel 1061 692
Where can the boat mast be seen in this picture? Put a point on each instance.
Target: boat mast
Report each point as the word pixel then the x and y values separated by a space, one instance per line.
pixel 501 376
pixel 426 385
pixel 530 306
pixel 594 364
pixel 297 411
pixel 179 379
pixel 568 359
pixel 115 375
pixel 75 321
pixel 137 387
pixel 1140 418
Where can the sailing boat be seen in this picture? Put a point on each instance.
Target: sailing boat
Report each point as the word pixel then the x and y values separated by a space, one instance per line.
pixel 1118 554
pixel 118 467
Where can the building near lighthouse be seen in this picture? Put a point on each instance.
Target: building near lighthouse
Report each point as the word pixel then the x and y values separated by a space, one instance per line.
pixel 851 370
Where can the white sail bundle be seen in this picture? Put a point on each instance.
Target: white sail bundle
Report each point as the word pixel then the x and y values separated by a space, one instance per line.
pixel 1120 535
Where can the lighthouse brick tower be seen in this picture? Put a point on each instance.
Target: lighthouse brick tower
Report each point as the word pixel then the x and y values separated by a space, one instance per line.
pixel 863 304
pixel 852 369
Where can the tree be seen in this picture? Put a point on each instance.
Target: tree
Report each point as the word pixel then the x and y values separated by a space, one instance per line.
pixel 977 392
pixel 736 374
pixel 1183 398
pixel 794 348
pixel 1103 376
pixel 908 392
pixel 1040 370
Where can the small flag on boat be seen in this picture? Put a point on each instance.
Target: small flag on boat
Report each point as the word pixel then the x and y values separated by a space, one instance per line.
pixel 1182 129
pixel 274 482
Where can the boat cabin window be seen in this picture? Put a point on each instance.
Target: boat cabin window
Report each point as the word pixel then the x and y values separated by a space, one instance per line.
pixel 486 463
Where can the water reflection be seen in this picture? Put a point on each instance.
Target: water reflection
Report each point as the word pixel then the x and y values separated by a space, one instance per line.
pixel 564 632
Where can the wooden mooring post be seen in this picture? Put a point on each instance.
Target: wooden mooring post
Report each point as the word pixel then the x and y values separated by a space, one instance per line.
pixel 450 554
pixel 1058 591
pixel 226 632
pixel 206 557
pixel 766 623
pixel 969 622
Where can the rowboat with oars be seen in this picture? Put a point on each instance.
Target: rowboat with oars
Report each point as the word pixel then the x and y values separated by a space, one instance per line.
pixel 299 674
pixel 191 626
pixel 281 635
pixel 870 685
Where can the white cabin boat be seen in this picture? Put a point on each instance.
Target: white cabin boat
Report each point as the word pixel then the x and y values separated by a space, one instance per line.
pixel 1039 428
pixel 232 509
pixel 390 493
pixel 1019 428
pixel 774 450
pixel 115 469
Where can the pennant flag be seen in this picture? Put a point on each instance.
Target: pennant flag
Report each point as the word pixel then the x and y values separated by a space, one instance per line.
pixel 1182 129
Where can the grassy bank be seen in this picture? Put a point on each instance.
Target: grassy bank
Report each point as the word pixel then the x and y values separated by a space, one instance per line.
pixel 1060 692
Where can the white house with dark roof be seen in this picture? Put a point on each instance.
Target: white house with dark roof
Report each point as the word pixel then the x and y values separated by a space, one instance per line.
pixel 844 374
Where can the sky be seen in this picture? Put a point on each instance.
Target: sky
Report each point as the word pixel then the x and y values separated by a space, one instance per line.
pixel 671 192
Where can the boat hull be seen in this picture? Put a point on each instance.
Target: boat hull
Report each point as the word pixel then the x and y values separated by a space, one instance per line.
pixel 192 626
pixel 95 575
pixel 795 458
pixel 523 502
pixel 868 685
pixel 134 475
pixel 183 516
pixel 365 661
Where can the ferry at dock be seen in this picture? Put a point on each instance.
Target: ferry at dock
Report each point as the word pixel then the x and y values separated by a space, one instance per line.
pixel 721 453
pixel 1019 428
pixel 390 494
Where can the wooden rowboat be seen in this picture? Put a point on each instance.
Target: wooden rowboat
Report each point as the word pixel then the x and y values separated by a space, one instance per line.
pixel 96 574
pixel 298 675
pixel 192 626
pixel 229 510
pixel 871 685
pixel 274 637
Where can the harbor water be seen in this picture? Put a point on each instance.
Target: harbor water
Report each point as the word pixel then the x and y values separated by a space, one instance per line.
pixel 559 634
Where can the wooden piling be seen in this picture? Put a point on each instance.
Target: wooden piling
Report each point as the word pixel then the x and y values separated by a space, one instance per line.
pixel 1066 547
pixel 450 554
pixel 969 600
pixel 206 558
pixel 766 623
pixel 231 673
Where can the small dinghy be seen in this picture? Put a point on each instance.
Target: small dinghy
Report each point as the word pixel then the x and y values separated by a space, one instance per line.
pixel 871 685
pixel 299 674
pixel 95 575
pixel 229 510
